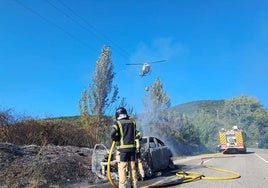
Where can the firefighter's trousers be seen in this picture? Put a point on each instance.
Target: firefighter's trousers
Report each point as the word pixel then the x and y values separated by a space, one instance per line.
pixel 140 167
pixel 122 171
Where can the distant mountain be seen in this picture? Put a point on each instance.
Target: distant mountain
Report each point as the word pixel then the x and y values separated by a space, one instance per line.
pixel 191 108
pixel 67 119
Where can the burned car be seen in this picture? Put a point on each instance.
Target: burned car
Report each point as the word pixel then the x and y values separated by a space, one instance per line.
pixel 155 156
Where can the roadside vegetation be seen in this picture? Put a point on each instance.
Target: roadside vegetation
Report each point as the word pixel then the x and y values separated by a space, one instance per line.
pixel 190 132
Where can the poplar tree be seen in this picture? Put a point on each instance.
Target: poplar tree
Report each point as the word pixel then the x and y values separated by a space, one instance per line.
pixel 102 92
pixel 158 99
pixel 100 95
pixel 155 102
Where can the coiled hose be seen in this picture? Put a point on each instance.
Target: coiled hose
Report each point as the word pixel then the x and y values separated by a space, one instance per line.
pixel 188 176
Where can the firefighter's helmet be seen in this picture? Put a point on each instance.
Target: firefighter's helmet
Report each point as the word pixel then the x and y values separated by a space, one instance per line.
pixel 120 113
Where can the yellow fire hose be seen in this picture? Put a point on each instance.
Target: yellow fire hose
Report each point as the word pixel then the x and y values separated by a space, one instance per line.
pixel 184 176
pixel 109 166
pixel 189 176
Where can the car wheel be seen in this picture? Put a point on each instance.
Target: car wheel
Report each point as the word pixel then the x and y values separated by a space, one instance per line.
pixel 171 164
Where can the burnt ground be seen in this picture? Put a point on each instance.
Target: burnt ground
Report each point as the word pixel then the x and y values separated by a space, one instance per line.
pixel 45 166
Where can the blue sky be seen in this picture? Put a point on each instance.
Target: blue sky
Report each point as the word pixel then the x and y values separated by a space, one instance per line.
pixel 48 50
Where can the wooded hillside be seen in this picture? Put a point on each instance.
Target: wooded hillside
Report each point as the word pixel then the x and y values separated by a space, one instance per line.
pixel 188 128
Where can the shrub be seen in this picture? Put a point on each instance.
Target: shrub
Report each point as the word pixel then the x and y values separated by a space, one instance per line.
pixel 44 132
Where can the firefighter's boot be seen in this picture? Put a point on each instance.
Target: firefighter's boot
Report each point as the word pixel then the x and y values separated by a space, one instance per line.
pixel 133 173
pixel 122 185
pixel 134 185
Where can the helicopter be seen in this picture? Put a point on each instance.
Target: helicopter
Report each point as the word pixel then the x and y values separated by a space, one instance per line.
pixel 146 67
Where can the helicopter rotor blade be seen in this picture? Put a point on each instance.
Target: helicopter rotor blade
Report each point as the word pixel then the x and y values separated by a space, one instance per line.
pixel 134 64
pixel 158 61
pixel 146 62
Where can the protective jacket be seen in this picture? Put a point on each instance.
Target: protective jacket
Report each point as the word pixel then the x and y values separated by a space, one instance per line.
pixel 124 131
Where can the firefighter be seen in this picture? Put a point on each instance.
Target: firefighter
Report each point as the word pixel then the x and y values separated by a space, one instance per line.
pixel 124 132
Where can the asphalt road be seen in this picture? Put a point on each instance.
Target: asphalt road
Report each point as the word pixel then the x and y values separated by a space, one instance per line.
pixel 252 167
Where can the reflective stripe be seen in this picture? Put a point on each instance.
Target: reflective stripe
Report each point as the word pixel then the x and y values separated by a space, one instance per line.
pixel 126 146
pixel 138 134
pixel 115 127
pixel 121 133
pixel 137 142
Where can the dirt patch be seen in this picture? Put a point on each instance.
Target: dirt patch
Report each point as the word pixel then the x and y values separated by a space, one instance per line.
pixel 43 166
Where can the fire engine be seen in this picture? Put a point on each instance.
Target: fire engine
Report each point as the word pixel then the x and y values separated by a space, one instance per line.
pixel 232 141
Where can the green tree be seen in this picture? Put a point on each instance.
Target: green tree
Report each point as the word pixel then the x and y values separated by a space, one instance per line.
pixel 83 107
pixel 185 135
pixel 158 99
pixel 241 110
pixel 249 114
pixel 208 125
pixel 102 92
pixel 262 124
pixel 189 132
pixel 163 123
pixel 100 96
pixel 155 102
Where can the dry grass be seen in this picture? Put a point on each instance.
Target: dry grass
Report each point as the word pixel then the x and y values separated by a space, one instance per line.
pixel 45 153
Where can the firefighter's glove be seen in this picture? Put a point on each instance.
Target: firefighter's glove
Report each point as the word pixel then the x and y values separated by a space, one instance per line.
pixel 116 138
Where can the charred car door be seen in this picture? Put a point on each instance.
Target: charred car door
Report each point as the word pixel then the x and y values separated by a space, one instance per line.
pixel 160 154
